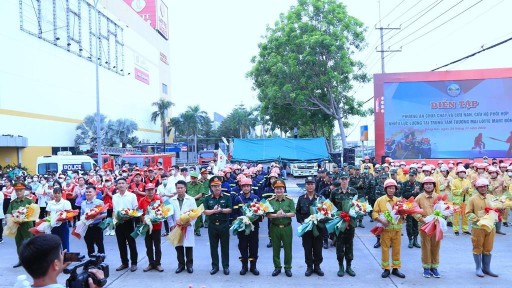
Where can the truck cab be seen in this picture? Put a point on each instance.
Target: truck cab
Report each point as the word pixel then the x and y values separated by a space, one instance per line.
pixel 305 169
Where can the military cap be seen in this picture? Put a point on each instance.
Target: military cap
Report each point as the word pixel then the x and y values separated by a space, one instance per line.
pixel 384 175
pixel 413 172
pixel 343 175
pixel 279 183
pixel 309 179
pixel 194 174
pixel 19 185
pixel 215 180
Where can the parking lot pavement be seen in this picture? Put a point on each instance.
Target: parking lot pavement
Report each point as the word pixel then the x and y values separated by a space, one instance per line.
pixel 456 267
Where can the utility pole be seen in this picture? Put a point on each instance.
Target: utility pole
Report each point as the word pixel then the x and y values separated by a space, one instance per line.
pixel 382 50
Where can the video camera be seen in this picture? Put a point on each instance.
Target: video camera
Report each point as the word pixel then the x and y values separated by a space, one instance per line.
pixel 81 279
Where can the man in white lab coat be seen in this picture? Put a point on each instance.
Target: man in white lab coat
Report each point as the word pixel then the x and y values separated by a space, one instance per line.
pixel 181 204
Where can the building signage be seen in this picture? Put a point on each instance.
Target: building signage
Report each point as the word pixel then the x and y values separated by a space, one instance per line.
pixel 141 76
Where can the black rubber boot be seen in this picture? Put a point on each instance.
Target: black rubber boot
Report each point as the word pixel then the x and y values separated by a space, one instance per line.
pixel 253 268
pixel 244 267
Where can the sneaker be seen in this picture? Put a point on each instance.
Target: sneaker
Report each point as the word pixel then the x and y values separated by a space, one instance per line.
pixel 466 232
pixel 113 233
pixel 426 273
pixel 107 232
pixel 435 273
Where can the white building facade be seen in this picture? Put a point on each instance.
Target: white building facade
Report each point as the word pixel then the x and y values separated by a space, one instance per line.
pixel 48 78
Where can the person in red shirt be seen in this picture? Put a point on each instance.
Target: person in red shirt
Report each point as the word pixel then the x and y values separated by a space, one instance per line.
pixel 153 239
pixel 152 178
pixel 137 187
pixel 108 192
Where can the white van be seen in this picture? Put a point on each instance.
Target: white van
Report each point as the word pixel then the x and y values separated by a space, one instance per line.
pixel 58 163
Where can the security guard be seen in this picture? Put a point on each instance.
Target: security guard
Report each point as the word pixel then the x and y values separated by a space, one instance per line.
pixel 280 227
pixel 342 200
pixel 411 188
pixel 312 244
pixel 217 206
pixel 20 201
pixel 195 190
pixel 247 244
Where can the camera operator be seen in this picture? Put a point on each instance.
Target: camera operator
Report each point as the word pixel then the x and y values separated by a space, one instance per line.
pixel 43 259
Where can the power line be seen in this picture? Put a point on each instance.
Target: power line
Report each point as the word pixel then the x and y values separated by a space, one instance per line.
pixel 390 11
pixel 424 34
pixel 429 22
pixel 430 9
pixel 474 54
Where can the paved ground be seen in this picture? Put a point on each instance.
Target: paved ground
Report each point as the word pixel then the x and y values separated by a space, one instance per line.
pixel 457 266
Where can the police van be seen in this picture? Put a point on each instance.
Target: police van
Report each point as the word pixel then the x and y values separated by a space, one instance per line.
pixel 63 162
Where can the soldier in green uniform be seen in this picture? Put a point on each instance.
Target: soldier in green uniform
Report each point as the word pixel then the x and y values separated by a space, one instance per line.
pixel 379 192
pixel 280 227
pixel 20 201
pixel 206 190
pixel 393 174
pixel 342 199
pixel 357 182
pixel 195 189
pixel 411 187
pixel 217 206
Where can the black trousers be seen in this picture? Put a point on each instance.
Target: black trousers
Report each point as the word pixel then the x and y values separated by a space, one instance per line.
pixel 219 233
pixel 345 245
pixel 7 201
pixel 248 245
pixel 42 212
pixel 123 231
pixel 312 248
pixel 166 226
pixel 181 253
pixel 153 242
pixel 411 226
pixel 94 236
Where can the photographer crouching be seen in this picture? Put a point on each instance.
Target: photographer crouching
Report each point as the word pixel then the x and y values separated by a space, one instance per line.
pixel 43 259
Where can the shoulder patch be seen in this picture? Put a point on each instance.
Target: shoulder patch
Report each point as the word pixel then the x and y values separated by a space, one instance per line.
pixel 272 198
pixel 226 194
pixel 288 197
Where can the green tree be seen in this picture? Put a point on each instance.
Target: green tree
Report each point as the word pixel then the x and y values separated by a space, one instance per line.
pixel 86 132
pixel 162 107
pixel 239 123
pixel 306 62
pixel 120 132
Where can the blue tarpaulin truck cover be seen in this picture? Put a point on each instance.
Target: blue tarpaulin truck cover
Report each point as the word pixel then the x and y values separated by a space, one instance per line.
pixel 283 149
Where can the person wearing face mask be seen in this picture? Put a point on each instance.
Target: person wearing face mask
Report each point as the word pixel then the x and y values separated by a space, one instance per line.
pixel 42 198
pixel 165 191
pixel 108 193
pixel 496 188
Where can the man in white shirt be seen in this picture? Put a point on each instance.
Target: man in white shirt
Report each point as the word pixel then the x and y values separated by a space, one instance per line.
pixel 166 190
pixel 121 200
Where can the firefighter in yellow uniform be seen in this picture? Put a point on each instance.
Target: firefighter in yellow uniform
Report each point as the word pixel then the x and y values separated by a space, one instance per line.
pixel 496 188
pixel 391 236
pixel 482 239
pixel 461 191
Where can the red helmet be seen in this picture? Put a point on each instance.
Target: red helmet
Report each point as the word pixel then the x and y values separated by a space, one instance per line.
pixel 405 170
pixel 390 182
pixel 246 181
pixel 429 180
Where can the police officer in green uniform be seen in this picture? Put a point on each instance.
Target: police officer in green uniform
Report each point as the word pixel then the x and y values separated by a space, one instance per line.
pixel 20 201
pixel 379 191
pixel 204 180
pixel 342 200
pixel 195 189
pixel 217 206
pixel 411 188
pixel 280 227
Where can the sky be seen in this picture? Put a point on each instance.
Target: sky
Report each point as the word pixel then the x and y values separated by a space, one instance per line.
pixel 212 43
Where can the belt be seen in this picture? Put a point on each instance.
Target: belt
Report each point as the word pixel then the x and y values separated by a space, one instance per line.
pixel 281 225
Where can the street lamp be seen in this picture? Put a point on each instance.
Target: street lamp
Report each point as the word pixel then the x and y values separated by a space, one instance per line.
pixel 98 118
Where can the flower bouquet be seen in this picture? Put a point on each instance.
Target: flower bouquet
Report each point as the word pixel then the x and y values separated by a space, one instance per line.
pixel 391 215
pixel 252 211
pixel 26 213
pixel 156 212
pixel 87 219
pixel 488 221
pixel 506 201
pixel 339 224
pixel 126 213
pixel 407 207
pixel 359 207
pixel 45 225
pixel 179 232
pixel 320 212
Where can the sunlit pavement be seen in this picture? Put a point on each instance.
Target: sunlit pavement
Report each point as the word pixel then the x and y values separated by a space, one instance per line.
pixel 456 267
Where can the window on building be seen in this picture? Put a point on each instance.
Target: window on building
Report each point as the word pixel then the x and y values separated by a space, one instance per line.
pixel 164 88
pixel 71 25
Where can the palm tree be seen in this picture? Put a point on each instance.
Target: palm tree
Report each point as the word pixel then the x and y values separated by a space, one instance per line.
pixel 193 118
pixel 162 106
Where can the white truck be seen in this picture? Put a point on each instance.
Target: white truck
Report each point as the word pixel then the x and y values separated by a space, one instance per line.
pixel 68 162
pixel 303 169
